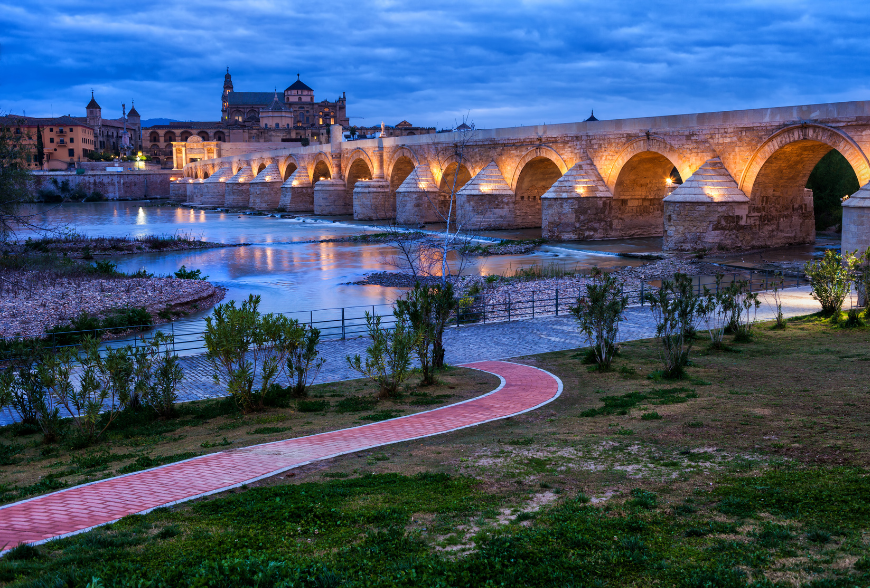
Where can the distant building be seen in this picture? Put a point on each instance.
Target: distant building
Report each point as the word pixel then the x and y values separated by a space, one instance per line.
pixel 109 133
pixel 403 129
pixel 65 139
pixel 255 117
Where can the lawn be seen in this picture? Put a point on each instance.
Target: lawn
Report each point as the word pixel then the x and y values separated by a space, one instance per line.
pixel 750 472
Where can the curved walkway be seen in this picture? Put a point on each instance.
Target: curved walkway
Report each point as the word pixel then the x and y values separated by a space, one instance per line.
pixel 80 508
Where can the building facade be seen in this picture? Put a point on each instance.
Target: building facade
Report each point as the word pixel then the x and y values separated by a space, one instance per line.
pixel 292 116
pixel 65 140
pixel 109 133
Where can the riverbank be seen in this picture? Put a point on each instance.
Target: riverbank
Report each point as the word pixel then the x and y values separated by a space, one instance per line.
pixel 80 246
pixel 34 302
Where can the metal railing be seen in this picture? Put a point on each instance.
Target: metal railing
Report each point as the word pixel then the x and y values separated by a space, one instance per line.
pixel 350 321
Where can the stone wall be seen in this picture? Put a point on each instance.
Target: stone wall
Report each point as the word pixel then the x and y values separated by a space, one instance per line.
pixel 707 226
pixel 126 185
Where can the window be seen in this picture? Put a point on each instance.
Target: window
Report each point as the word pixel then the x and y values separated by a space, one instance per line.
pixel 50 130
pixel 18 131
pixel 72 152
pixel 300 99
pixel 51 139
pixel 72 140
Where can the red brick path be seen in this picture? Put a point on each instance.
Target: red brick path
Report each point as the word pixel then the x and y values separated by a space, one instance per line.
pixel 79 508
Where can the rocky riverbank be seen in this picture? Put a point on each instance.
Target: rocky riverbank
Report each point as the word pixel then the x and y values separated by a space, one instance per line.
pixel 498 292
pixel 32 302
pixel 77 246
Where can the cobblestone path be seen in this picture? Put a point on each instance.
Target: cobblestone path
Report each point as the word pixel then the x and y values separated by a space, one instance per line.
pixel 80 508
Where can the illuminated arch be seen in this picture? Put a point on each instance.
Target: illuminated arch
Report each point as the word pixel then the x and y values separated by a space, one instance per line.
pixel 808 133
pixel 355 155
pixel 398 154
pixel 651 144
pixel 544 151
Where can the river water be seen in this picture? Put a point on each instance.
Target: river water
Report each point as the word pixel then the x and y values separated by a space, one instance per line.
pixel 289 274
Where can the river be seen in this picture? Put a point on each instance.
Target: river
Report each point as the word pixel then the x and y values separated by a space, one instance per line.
pixel 280 264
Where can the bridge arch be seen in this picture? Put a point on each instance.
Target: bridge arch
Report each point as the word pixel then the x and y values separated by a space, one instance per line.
pixel 534 174
pixel 538 153
pixel 358 169
pixel 354 156
pixel 400 155
pixel 639 181
pixel 776 176
pixel 825 138
pixel 321 167
pixel 652 144
pixel 288 166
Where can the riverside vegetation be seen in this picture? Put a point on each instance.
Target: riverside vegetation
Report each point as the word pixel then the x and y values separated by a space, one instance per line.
pixel 746 477
pixel 736 475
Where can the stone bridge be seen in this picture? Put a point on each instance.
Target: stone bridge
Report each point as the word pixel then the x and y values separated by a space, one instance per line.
pixel 712 181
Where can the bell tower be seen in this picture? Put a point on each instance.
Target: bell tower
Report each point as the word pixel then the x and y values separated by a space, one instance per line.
pixel 228 87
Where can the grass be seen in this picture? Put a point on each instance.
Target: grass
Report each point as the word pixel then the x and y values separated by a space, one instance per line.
pixel 772 490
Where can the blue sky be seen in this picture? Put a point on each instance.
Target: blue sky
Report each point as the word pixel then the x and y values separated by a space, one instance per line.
pixel 504 63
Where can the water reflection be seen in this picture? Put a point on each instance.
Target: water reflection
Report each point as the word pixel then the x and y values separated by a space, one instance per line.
pixel 287 274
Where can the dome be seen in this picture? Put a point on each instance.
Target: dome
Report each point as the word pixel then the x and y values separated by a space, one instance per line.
pixel 276 105
pixel 133 111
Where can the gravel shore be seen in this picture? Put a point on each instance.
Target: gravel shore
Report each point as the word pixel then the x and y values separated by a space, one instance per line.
pixel 32 304
pixel 498 294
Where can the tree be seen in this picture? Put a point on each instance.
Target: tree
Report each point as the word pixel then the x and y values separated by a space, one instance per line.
pixel 14 176
pixel 40 148
pixel 427 309
pixel 599 314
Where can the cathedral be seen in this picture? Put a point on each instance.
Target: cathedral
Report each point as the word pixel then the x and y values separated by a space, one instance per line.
pixel 294 108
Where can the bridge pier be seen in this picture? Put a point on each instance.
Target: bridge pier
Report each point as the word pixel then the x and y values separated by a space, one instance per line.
pixel 213 191
pixel 708 212
pixel 417 198
pixel 297 193
pixel 856 222
pixel 237 190
pixel 266 189
pixel 577 207
pixel 487 201
pixel 194 191
pixel 372 200
pixel 330 198
pixel 178 190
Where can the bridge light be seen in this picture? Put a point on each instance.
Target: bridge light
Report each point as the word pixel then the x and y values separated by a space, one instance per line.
pixel 669 181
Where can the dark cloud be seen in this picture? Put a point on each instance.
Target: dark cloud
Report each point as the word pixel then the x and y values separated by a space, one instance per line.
pixel 505 63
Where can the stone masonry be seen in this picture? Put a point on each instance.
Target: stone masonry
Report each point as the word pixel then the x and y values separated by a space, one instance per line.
pixel 767 153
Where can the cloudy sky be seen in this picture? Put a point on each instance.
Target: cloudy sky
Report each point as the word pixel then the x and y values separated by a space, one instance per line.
pixel 504 63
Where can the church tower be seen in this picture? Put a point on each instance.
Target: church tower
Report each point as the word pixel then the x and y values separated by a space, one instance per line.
pixel 95 113
pixel 228 87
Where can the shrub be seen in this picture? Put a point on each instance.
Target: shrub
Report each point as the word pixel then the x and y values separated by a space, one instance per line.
pixel 388 358
pixel 599 314
pixel 715 311
pixel 161 393
pixel 242 345
pixel 186 274
pixel 831 280
pixel 777 301
pixel 303 358
pixel 675 308
pixel 427 310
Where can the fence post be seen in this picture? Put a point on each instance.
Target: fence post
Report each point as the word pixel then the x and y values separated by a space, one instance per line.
pixel 557 302
pixel 533 304
pixel 641 293
pixel 342 323
pixel 750 281
pixel 311 319
pixel 484 309
pixel 172 326
pixel 509 307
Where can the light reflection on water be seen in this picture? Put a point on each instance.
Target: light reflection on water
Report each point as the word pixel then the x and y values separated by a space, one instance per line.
pixel 288 275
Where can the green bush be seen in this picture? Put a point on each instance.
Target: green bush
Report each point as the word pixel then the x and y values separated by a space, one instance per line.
pixel 186 274
pixel 388 358
pixel 599 313
pixel 675 308
pixel 831 280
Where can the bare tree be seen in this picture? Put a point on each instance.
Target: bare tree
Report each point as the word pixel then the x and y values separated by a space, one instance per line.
pixel 14 176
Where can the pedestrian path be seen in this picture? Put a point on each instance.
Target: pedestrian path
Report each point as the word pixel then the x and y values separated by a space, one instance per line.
pixel 80 508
